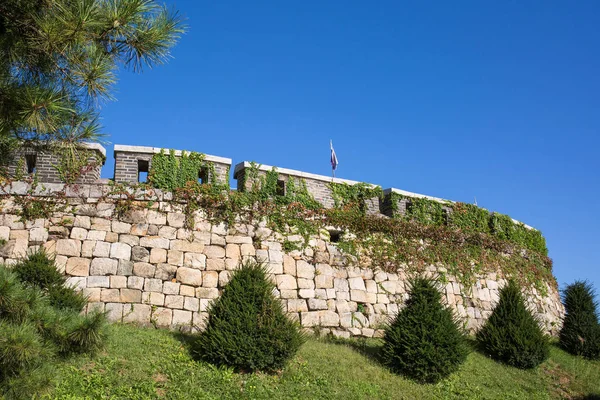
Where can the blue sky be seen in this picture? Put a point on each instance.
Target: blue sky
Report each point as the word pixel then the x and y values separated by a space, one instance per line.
pixel 494 100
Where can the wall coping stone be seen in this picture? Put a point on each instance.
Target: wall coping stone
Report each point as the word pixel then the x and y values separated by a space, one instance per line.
pixel 292 172
pixel 155 150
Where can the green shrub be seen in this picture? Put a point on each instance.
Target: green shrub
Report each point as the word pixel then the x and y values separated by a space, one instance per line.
pixel 580 333
pixel 39 319
pixel 247 328
pixel 39 270
pixel 512 334
pixel 424 341
pixel 66 298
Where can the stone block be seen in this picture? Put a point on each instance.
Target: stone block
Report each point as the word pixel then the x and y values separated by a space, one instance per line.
pixel 87 248
pixel 224 277
pixel 162 317
pixel 135 282
pixel 306 283
pixel 174 301
pixel 297 305
pixel 78 266
pixel 316 304
pixel 189 276
pixel 82 221
pixel 289 265
pixel 186 290
pixel 158 256
pixel 137 313
pixel 111 237
pixel 78 282
pixel 214 252
pixel 286 282
pixel 143 269
pixel 182 318
pixel 129 240
pixel 194 260
pixel 167 232
pixel 130 296
pixel 120 251
pixel 306 293
pixel 68 247
pixel 120 227
pixel 215 264
pixel 233 251
pixel 156 218
pixel 102 249
pixel 139 253
pixel 110 295
pixel 125 268
pixel 207 293
pixel 305 270
pixel 329 318
pixel 175 257
pixel 96 235
pixel 92 294
pixel 118 282
pixel 38 235
pixel 176 220
pixel 324 281
pixel 165 272
pixel 210 279
pixel 153 285
pixel 309 319
pixel 103 266
pixel 360 296
pixel 171 287
pixel 79 233
pixel 247 250
pixel 357 283
pixel 154 242
pixel 187 246
pixel 191 303
pixel 140 229
pixel 114 312
pixel 153 298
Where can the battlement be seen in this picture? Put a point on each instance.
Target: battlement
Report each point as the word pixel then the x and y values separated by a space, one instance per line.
pixel 134 163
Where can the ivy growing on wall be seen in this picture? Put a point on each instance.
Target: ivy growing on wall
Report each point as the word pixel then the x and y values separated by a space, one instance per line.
pixel 354 196
pixel 170 172
pixel 74 162
pixel 468 218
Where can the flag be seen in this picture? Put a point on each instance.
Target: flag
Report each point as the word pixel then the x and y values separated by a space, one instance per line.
pixel 334 160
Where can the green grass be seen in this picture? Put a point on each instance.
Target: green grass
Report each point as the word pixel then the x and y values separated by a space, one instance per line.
pixel 149 364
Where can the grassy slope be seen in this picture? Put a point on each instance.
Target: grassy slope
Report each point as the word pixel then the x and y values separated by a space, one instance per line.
pixel 146 364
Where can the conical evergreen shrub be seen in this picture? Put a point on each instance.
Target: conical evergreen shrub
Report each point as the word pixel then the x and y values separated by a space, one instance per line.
pixel 247 328
pixel 512 335
pixel 580 333
pixel 424 341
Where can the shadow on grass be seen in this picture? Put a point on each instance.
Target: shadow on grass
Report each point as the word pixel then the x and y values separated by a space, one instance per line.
pixel 189 341
pixel 370 348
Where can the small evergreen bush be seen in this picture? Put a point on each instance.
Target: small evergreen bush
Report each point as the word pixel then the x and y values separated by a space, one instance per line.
pixel 247 328
pixel 580 333
pixel 424 341
pixel 512 334
pixel 39 270
pixel 39 319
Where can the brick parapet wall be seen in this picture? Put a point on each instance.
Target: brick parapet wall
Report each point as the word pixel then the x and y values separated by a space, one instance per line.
pixel 46 163
pixel 127 160
pixel 145 267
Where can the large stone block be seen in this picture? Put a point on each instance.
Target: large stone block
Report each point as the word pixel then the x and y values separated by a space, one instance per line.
pixel 309 319
pixel 103 266
pixel 130 296
pixel 110 295
pixel 194 260
pixel 286 282
pixel 162 317
pixel 98 282
pixel 78 266
pixel 139 253
pixel 191 303
pixel 305 270
pixel 68 247
pixel 154 242
pixel 186 245
pixel 210 279
pixel 114 312
pixel 174 301
pixel 137 313
pixel 101 249
pixel 144 269
pixel 165 272
pixel 317 304
pixel 153 285
pixel 214 252
pixel 175 257
pixel 182 317
pixel 171 287
pixel 120 251
pixel 189 276
pixel 207 293
pixel 38 235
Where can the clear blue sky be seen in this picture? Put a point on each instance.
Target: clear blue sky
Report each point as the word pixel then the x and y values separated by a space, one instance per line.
pixel 494 100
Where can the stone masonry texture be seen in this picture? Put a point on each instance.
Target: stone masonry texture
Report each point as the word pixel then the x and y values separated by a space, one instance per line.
pixel 144 267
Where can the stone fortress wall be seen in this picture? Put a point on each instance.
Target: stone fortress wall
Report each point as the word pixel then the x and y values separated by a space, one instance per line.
pixel 146 267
